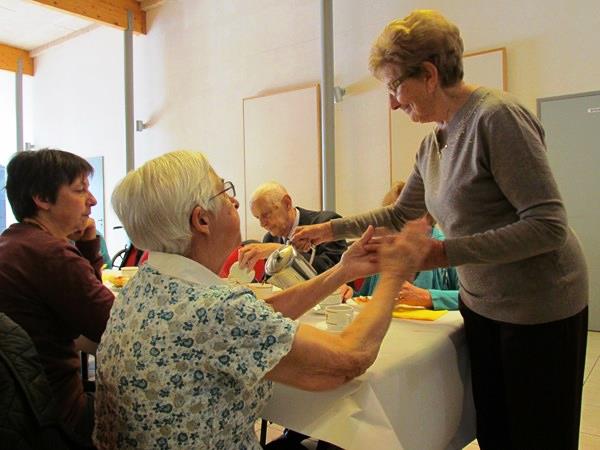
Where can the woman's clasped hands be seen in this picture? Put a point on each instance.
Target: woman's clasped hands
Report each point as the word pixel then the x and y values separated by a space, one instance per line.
pixel 399 254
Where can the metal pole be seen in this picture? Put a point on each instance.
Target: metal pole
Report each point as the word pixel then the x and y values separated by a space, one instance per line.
pixel 129 125
pixel 327 111
pixel 19 103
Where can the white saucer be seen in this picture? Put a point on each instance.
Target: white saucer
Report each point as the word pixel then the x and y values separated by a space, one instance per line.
pixel 357 306
pixel 323 326
pixel 318 310
pixel 321 309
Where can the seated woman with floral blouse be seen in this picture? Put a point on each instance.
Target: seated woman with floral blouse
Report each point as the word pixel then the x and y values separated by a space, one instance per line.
pixel 187 359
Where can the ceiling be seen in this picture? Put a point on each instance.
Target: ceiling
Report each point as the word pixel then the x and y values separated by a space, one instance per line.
pixel 28 26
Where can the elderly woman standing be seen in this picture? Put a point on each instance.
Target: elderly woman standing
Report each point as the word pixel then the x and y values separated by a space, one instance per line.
pixel 187 359
pixel 484 176
pixel 52 286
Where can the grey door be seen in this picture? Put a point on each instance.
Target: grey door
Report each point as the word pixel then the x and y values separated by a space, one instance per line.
pixel 572 126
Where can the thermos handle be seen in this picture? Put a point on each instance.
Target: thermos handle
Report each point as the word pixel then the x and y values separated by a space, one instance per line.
pixel 313 252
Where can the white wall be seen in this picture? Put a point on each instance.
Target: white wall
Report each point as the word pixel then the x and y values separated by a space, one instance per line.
pixel 79 107
pixel 8 123
pixel 8 135
pixel 200 58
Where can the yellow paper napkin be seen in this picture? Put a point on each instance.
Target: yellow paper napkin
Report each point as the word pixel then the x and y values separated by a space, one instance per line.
pixel 417 314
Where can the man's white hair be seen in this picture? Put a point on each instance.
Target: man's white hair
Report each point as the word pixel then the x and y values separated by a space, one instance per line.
pixel 271 192
pixel 154 202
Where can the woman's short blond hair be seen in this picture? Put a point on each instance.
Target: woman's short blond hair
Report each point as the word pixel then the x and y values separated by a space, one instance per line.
pixel 423 35
pixel 392 195
pixel 155 201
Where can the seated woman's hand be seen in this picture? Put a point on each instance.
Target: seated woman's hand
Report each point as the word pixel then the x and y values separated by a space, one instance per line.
pixel 403 254
pixel 414 296
pixel 360 259
pixel 346 291
pixel 86 233
pixel 309 235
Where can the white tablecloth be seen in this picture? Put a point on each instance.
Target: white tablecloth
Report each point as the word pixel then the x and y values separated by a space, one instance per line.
pixel 416 396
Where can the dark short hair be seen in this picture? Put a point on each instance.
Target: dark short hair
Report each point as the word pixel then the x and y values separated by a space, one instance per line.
pixel 40 173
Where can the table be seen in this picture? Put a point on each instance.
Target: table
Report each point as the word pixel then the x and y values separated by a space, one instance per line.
pixel 416 396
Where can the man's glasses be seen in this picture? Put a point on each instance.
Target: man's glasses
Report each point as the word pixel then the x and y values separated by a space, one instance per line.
pixel 227 187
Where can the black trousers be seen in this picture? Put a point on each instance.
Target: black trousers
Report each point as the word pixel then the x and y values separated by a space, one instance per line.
pixel 527 381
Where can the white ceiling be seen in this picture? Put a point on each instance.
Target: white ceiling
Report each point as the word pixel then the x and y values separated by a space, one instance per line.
pixel 28 25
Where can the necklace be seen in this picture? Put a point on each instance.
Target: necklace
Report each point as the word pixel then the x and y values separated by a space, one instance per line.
pixel 441 136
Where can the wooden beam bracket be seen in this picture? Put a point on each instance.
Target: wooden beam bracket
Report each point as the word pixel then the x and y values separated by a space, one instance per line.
pixel 9 59
pixel 108 12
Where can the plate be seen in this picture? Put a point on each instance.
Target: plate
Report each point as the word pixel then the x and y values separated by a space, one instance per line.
pixel 322 325
pixel 114 279
pixel 242 276
pixel 358 302
pixel 318 310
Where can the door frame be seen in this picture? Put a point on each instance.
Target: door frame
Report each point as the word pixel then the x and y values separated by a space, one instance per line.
pixel 539 101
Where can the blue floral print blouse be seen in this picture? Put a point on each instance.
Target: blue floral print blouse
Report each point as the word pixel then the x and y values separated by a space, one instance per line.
pixel 182 361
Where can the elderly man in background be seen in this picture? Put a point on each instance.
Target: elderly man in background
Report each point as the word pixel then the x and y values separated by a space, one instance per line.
pixel 272 205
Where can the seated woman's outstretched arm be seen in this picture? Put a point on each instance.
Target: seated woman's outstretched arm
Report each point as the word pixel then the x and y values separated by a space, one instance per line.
pixel 319 360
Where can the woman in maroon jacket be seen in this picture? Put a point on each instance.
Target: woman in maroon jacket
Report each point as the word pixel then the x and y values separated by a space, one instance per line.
pixel 50 285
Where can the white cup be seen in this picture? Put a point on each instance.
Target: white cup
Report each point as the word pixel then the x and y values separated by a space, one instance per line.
pixel 261 290
pixel 335 298
pixel 338 317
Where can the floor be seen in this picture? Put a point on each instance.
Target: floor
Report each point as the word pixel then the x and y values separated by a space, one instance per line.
pixel 590 414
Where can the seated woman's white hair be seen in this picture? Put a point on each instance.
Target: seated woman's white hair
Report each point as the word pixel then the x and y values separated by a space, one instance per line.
pixel 158 218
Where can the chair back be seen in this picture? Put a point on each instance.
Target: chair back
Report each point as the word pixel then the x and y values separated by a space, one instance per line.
pixel 28 416
pixel 259 267
pixel 132 257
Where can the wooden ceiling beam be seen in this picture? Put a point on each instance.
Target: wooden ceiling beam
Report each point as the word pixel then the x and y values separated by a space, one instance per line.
pixel 147 5
pixel 9 59
pixel 108 12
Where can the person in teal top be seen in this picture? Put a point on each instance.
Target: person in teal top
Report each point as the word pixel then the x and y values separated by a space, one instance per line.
pixel 103 249
pixel 104 252
pixel 434 289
